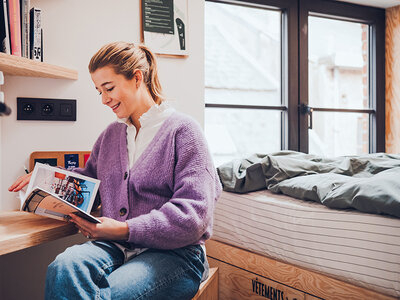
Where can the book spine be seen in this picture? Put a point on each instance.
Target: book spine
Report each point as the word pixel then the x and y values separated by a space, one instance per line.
pixel 35 34
pixel 25 27
pixel 2 29
pixel 15 27
pixel 41 44
pixel 6 42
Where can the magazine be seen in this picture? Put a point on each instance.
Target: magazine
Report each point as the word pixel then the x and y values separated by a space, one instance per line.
pixel 54 192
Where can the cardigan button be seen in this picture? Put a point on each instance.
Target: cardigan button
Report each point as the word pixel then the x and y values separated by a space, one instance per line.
pixel 125 175
pixel 122 211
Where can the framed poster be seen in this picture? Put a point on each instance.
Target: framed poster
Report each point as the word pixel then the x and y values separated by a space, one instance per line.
pixel 164 26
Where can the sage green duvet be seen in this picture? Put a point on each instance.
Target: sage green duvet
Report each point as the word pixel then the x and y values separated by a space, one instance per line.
pixel 369 183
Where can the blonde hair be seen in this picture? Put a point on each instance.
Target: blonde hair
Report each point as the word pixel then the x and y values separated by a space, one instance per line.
pixel 125 58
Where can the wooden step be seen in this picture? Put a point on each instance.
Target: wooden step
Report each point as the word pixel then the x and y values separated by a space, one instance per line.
pixel 209 288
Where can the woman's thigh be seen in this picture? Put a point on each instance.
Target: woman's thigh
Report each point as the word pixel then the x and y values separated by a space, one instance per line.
pixel 81 271
pixel 159 274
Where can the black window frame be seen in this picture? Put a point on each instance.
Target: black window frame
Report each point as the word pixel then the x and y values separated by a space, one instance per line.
pixel 375 18
pixel 294 65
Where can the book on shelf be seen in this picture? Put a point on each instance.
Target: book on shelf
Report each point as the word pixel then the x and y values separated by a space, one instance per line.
pixel 14 15
pixel 55 193
pixel 4 29
pixel 36 34
pixel 41 44
pixel 24 8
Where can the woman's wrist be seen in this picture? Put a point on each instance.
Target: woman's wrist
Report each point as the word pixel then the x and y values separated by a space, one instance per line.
pixel 125 231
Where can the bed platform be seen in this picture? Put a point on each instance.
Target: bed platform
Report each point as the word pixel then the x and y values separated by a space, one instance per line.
pixel 247 275
pixel 269 246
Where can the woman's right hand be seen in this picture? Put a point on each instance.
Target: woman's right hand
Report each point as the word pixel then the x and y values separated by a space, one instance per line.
pixel 20 183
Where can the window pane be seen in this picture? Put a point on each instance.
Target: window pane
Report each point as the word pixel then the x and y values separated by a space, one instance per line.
pixel 336 134
pixel 237 133
pixel 337 63
pixel 242 55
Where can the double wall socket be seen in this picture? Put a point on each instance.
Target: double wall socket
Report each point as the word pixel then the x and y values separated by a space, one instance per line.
pixel 46 109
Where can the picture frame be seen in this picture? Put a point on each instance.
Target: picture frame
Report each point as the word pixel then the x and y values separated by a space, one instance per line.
pixel 164 26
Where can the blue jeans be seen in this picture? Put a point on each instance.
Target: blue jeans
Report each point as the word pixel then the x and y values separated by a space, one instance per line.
pixel 96 270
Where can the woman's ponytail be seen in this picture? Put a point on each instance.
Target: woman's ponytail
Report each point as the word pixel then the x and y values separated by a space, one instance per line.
pixel 153 83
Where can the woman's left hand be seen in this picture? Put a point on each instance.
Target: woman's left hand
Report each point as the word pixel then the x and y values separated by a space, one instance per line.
pixel 108 229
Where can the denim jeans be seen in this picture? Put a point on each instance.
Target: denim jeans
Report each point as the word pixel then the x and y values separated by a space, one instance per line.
pixel 96 270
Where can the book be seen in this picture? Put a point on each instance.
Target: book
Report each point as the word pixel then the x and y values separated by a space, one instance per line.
pixel 41 44
pixel 55 193
pixel 24 7
pixel 71 161
pixel 14 15
pixel 35 20
pixel 4 32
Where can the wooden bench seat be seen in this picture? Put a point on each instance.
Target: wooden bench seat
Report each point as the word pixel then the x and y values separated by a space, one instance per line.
pixel 208 289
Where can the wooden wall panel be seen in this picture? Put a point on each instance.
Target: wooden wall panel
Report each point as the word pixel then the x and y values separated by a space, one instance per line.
pixel 392 44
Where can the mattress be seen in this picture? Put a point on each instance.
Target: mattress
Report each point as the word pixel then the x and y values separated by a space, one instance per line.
pixel 359 248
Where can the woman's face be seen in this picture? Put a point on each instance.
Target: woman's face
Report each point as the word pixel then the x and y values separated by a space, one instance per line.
pixel 117 92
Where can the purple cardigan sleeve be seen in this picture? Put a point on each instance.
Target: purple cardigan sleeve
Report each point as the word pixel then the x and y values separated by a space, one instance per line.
pixel 187 218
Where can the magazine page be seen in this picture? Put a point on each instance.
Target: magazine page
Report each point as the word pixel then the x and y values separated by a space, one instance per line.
pixel 74 188
pixel 43 203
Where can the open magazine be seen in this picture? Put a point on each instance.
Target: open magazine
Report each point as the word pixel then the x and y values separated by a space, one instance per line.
pixel 56 193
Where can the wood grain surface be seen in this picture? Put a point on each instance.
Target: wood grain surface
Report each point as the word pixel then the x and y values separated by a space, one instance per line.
pixel 209 289
pixel 238 284
pixel 20 230
pixel 309 282
pixel 21 66
pixel 392 45
pixel 59 155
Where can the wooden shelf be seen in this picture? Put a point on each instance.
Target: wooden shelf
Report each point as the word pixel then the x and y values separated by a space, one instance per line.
pixel 21 66
pixel 20 230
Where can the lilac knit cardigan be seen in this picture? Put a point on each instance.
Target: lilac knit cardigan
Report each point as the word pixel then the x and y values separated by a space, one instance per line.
pixel 170 192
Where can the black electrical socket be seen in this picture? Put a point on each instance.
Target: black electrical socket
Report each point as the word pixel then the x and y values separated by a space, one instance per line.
pixel 45 109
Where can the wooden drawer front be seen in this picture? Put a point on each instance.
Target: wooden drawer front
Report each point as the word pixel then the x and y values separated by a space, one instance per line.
pixel 309 282
pixel 235 283
pixel 309 297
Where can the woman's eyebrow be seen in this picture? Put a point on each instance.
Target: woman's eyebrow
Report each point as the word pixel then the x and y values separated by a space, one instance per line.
pixel 107 82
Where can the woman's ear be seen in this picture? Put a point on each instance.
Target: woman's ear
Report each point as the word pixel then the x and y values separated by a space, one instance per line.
pixel 138 77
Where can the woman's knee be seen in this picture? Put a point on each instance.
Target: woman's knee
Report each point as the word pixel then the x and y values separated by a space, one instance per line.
pixel 69 259
pixel 92 259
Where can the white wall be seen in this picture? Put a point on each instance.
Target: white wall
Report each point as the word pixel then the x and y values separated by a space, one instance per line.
pixel 73 31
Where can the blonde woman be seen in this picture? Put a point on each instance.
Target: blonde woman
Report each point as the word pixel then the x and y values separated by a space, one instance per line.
pixel 158 190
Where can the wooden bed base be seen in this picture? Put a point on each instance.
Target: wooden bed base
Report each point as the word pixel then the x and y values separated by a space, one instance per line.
pixel 247 275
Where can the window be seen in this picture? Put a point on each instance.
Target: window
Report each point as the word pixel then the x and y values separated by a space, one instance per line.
pixel 301 75
pixel 242 80
pixel 337 80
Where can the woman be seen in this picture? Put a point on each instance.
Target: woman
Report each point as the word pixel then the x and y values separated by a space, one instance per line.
pixel 158 190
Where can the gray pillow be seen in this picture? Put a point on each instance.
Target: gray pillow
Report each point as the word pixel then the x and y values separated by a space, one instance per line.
pixel 378 194
pixel 310 187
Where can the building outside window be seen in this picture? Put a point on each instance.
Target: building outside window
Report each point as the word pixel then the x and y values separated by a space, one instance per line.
pixel 270 86
pixel 338 78
pixel 242 67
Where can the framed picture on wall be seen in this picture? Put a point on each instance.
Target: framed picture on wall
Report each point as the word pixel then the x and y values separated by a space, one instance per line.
pixel 165 26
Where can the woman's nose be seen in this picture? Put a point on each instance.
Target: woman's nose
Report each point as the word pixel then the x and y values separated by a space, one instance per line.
pixel 104 98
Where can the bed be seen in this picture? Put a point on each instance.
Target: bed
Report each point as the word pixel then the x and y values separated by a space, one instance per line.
pixel 277 247
pixel 273 246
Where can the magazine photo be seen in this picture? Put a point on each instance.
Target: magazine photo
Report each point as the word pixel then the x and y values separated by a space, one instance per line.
pixel 55 192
